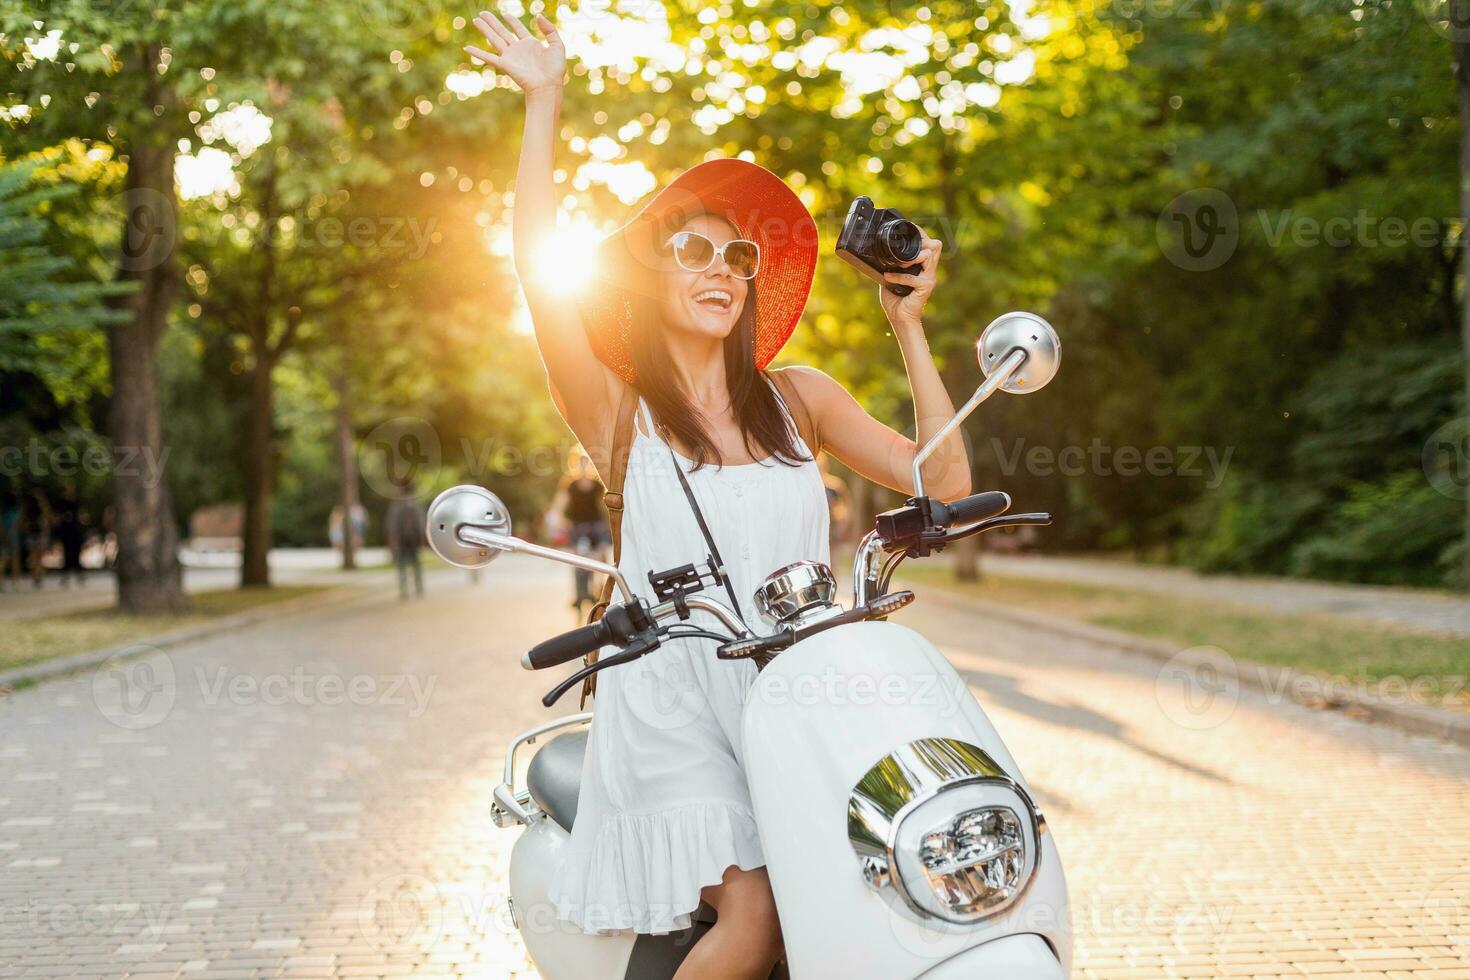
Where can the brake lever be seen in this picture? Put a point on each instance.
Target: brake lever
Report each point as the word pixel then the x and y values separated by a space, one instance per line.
pixel 640 648
pixel 1039 519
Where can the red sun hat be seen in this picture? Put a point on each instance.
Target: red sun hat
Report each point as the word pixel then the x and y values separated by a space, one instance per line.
pixel 762 208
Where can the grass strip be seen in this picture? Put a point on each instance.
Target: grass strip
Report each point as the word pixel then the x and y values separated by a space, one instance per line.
pixel 1390 660
pixel 33 639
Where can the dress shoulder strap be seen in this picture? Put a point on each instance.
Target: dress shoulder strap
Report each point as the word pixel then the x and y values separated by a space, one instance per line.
pixel 805 424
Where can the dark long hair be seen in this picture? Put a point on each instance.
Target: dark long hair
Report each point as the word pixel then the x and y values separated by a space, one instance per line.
pixel 763 426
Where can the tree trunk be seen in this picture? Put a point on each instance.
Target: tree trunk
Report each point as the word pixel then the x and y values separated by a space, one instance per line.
pixel 149 577
pixel 259 475
pixel 1460 32
pixel 347 458
pixel 966 553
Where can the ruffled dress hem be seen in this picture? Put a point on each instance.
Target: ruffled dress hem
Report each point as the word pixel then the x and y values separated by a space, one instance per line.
pixel 644 871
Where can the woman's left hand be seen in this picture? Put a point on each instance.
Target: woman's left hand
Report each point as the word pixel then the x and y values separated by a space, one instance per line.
pixel 907 311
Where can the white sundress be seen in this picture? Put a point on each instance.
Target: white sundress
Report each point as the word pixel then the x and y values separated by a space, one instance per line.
pixel 664 807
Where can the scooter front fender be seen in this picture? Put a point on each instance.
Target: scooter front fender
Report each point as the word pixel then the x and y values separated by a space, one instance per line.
pixel 819 716
pixel 1021 957
pixel 560 950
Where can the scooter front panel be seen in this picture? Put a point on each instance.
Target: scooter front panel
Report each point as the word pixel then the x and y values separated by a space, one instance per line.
pixel 819 716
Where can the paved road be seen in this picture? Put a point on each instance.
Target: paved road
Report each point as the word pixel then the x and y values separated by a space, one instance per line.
pixel 251 819
pixel 1419 608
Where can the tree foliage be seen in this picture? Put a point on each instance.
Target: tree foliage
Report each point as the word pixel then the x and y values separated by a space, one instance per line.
pixel 1286 384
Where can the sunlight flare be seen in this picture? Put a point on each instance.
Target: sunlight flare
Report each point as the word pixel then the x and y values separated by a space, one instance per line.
pixel 568 257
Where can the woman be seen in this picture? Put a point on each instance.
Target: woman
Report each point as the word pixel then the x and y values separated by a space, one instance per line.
pixel 695 296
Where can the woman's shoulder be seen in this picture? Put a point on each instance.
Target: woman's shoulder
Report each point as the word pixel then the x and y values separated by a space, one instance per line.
pixel 811 384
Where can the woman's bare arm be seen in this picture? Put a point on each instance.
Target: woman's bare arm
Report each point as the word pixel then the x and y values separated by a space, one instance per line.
pixel 584 389
pixel 869 447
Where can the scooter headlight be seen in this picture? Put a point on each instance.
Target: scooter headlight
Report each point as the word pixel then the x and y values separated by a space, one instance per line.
pixel 941 828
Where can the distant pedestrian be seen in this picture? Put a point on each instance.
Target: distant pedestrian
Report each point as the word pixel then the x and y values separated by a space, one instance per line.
pixel 359 527
pixel 405 526
pixel 839 507
pixel 109 537
pixel 578 519
pixel 12 547
pixel 37 537
pixel 71 531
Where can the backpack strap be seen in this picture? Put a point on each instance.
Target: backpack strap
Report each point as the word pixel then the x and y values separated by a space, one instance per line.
pixel 612 498
pixel 805 425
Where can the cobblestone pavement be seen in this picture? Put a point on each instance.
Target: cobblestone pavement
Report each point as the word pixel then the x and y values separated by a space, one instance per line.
pixel 1419 608
pixel 309 797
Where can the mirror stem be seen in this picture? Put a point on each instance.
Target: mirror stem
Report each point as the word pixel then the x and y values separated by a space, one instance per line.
pixel 501 542
pixel 988 387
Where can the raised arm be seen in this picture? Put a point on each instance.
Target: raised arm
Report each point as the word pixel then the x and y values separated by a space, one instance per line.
pixel 869 447
pixel 584 389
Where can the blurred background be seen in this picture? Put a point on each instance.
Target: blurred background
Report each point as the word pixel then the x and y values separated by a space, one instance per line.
pixel 256 261
pixel 257 306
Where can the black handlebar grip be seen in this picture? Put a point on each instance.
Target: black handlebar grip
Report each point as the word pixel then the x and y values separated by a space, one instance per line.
pixel 978 507
pixel 568 646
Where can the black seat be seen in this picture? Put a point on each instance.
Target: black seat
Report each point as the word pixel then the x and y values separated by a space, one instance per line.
pixel 554 777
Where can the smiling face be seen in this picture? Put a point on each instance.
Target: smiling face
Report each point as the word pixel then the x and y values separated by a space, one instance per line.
pixel 709 302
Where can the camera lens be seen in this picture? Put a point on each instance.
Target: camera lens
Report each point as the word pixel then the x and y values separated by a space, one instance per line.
pixel 899 242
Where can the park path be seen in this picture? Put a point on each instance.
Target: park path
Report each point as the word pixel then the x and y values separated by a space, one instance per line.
pixel 1419 608
pixel 203 571
pixel 309 798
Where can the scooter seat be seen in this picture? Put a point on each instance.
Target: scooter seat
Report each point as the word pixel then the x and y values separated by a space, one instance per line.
pixel 554 777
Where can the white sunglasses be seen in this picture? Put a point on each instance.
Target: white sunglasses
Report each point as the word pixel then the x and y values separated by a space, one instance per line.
pixel 696 253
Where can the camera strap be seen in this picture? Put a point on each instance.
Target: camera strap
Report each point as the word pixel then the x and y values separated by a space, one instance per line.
pixel 709 539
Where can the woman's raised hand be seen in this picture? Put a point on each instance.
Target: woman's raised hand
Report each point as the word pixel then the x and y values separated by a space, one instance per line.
pixel 532 64
pixel 906 311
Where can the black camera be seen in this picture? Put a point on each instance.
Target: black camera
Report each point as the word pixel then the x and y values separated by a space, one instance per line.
pixel 878 240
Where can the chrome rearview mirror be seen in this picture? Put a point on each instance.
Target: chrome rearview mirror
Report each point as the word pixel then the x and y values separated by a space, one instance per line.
pixel 1032 337
pixel 1019 352
pixel 473 509
pixel 469 526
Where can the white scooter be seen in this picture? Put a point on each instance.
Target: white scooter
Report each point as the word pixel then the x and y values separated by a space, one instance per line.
pixel 901 838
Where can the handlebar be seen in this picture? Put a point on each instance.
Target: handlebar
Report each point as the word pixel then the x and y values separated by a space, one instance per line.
pixel 622 623
pixel 976 507
pixel 567 646
pixel 920 528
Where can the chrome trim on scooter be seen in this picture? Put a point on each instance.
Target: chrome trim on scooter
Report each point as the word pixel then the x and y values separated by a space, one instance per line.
pixel 714 607
pixel 901 782
pixel 1019 353
pixel 801 593
pixel 502 542
pixel 516 806
pixel 867 563
pixel 988 387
